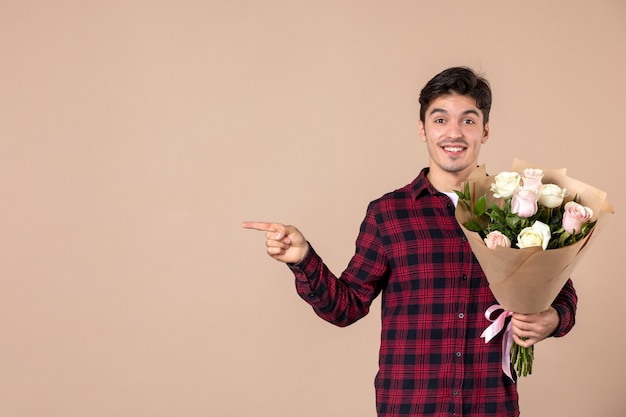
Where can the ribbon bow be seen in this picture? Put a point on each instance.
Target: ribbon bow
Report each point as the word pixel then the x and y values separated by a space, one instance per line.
pixel 494 329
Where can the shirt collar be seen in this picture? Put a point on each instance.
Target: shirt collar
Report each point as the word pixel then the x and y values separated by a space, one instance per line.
pixel 422 185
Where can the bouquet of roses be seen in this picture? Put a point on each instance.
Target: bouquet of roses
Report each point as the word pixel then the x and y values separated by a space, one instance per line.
pixel 528 228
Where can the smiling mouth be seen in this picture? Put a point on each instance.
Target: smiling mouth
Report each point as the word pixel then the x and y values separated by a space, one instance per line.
pixel 453 149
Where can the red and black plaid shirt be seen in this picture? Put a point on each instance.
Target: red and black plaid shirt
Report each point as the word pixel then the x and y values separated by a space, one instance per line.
pixel 432 359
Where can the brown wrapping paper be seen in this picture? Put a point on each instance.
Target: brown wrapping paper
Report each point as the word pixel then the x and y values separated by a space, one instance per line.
pixel 528 280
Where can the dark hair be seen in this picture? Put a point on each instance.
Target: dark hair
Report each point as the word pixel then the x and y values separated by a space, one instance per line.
pixel 460 80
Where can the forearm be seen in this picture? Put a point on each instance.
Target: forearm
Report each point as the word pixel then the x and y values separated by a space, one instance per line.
pixel 331 298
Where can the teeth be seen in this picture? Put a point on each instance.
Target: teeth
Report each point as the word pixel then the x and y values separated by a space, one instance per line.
pixel 453 149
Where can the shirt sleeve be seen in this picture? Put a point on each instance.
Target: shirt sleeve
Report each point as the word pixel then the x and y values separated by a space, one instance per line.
pixel 344 300
pixel 565 305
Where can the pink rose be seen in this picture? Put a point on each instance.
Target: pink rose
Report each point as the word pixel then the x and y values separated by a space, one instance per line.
pixel 524 202
pixel 495 239
pixel 574 216
pixel 531 178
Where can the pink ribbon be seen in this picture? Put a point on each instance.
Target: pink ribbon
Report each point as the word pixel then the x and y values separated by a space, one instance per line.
pixel 494 329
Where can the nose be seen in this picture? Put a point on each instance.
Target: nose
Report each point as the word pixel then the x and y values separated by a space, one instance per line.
pixel 454 131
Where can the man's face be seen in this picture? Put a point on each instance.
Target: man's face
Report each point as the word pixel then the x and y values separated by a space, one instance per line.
pixel 453 131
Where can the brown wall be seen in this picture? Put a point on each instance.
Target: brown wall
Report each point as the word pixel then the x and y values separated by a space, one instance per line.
pixel 135 136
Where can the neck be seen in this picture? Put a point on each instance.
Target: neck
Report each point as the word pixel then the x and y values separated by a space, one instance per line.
pixel 447 182
pixel 445 186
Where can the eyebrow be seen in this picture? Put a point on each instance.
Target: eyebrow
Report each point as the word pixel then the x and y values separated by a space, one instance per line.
pixel 466 112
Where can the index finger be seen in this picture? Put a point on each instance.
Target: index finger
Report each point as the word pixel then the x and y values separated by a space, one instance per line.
pixel 262 226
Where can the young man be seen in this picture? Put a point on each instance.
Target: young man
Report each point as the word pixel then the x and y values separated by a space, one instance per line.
pixel 411 249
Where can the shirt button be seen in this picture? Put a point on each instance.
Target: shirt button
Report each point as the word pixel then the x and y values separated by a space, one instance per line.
pixel 455 392
pixel 464 277
pixel 464 238
pixel 458 354
pixel 312 295
pixel 461 315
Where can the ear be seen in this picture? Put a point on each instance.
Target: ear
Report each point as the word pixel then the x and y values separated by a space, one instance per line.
pixel 422 131
pixel 485 133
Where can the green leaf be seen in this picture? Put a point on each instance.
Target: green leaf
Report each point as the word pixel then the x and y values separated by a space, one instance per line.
pixel 587 228
pixel 474 226
pixel 496 214
pixel 480 206
pixel 513 220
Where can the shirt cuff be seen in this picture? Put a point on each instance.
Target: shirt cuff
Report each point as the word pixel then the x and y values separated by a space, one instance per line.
pixel 308 267
pixel 566 320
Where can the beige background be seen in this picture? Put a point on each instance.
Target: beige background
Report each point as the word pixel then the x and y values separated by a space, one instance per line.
pixel 135 136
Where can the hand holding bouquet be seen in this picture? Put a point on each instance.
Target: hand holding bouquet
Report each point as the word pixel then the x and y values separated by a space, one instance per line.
pixel 528 228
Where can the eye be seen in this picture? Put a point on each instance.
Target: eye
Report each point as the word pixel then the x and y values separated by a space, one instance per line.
pixel 469 122
pixel 439 120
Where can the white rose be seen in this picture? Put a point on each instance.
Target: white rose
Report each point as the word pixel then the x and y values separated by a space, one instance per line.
pixel 536 235
pixel 533 173
pixel 531 178
pixel 505 184
pixel 552 195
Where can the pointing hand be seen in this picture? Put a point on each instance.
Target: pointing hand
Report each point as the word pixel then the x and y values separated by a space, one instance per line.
pixel 284 243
